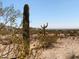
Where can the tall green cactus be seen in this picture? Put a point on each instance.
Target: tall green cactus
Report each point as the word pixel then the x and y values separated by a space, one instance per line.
pixel 26 28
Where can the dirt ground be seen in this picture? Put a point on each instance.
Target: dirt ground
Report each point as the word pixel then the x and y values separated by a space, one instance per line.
pixel 66 48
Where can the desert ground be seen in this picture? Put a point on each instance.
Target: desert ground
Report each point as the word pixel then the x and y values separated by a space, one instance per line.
pixel 66 47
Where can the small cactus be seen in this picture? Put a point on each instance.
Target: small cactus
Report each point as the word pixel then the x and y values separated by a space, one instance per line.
pixel 44 28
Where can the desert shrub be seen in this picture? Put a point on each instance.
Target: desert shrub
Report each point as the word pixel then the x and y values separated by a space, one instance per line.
pixel 46 41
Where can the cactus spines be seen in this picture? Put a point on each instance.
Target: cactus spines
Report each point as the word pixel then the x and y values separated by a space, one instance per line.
pixel 44 28
pixel 26 28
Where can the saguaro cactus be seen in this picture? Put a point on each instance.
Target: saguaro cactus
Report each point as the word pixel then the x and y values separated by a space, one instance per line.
pixel 44 28
pixel 26 28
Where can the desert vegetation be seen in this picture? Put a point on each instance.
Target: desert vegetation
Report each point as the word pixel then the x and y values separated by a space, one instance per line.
pixel 25 42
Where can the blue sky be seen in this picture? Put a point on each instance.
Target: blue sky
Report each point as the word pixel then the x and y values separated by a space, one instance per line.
pixel 58 13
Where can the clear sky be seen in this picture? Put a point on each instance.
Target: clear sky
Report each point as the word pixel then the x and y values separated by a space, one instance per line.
pixel 58 13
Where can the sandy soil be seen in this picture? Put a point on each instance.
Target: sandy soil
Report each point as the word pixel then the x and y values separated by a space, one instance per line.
pixel 64 49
